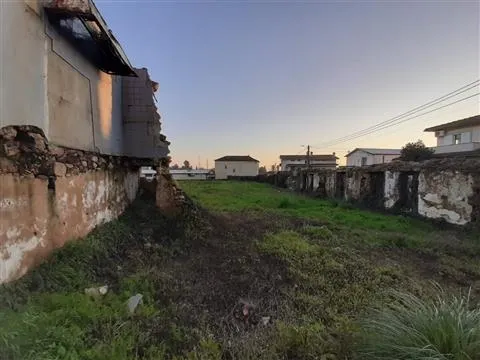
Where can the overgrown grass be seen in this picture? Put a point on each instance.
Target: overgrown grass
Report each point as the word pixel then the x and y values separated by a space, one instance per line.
pixel 235 196
pixel 47 315
pixel 446 328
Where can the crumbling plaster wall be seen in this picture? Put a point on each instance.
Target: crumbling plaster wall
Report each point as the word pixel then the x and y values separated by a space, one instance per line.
pixel 392 191
pixel 36 219
pixel 445 195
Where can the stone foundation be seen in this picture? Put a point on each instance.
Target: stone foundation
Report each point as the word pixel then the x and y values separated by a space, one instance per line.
pixel 50 195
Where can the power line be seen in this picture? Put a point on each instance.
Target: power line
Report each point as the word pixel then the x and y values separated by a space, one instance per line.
pixel 399 122
pixel 408 113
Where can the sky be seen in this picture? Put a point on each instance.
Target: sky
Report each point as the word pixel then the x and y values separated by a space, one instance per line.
pixel 263 78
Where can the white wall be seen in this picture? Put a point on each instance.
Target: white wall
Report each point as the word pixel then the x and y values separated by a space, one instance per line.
pixel 355 159
pixel 224 169
pixel 285 163
pixel 47 83
pixel 470 140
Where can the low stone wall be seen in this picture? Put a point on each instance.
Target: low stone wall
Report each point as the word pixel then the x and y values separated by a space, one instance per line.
pixel 50 195
pixel 447 189
pixel 36 218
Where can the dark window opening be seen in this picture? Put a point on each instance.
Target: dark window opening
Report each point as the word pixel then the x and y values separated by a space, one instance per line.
pixel 87 36
pixel 364 161
pixel 457 139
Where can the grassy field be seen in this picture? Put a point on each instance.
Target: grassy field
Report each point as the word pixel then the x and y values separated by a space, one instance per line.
pixel 255 273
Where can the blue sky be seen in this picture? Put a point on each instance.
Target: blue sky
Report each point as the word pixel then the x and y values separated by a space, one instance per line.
pixel 263 78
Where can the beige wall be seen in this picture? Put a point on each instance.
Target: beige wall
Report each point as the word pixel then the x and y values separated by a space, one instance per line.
pixel 74 103
pixel 224 169
pixel 34 220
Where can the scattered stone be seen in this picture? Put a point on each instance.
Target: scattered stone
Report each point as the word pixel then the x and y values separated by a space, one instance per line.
pixel 266 320
pixel 59 169
pixel 11 148
pixel 42 177
pixel 95 165
pixel 97 291
pixel 133 302
pixel 57 150
pixel 148 245
pixel 69 166
pixel 8 133
pixel 84 163
pixel 94 158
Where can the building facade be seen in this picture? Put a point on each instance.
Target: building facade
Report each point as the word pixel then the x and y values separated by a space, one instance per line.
pixel 370 156
pixel 291 162
pixel 190 174
pixel 77 121
pixel 235 166
pixel 461 136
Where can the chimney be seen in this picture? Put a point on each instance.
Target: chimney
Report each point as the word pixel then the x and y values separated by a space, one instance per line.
pixel 334 153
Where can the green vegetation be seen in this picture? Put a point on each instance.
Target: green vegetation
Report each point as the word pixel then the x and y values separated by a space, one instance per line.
pixel 413 328
pixel 260 274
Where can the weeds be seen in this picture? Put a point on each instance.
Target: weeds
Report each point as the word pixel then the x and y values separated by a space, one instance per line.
pixel 446 328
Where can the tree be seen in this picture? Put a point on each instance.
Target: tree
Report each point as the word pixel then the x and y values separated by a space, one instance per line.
pixel 186 165
pixel 273 167
pixel 175 167
pixel 416 151
pixel 262 170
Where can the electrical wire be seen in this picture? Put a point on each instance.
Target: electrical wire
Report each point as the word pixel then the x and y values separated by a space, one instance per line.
pixel 398 122
pixel 395 119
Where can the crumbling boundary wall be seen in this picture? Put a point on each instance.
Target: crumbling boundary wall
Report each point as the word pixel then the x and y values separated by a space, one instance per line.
pixel 446 189
pixel 50 195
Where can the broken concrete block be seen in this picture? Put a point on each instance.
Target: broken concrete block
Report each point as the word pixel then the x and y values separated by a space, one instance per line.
pixel 133 302
pixel 8 133
pixel 59 169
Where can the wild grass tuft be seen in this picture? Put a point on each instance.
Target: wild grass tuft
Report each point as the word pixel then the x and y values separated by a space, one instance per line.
pixel 446 328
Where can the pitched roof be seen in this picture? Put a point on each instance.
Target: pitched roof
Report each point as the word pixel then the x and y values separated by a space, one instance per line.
pixel 237 158
pixel 376 151
pixel 470 121
pixel 327 157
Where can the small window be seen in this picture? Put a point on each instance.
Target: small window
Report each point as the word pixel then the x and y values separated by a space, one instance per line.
pixel 457 139
pixel 364 161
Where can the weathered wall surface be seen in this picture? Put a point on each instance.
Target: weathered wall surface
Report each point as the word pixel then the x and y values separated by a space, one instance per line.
pixel 36 218
pixel 74 103
pixel 445 195
pixel 447 189
pixel 392 190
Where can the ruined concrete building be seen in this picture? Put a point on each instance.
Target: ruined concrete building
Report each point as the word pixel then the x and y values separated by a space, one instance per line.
pixel 76 123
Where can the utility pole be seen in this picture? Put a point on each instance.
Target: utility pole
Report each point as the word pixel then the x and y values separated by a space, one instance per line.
pixel 308 157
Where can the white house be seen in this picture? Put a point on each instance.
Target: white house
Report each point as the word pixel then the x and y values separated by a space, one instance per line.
pixel 290 162
pixel 234 165
pixel 368 156
pixel 189 174
pixel 457 136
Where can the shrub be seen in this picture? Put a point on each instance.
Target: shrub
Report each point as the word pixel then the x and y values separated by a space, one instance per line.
pixel 445 328
pixel 416 151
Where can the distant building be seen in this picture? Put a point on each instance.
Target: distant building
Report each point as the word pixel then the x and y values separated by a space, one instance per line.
pixel 290 162
pixel 369 156
pixel 190 174
pixel 234 165
pixel 461 136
